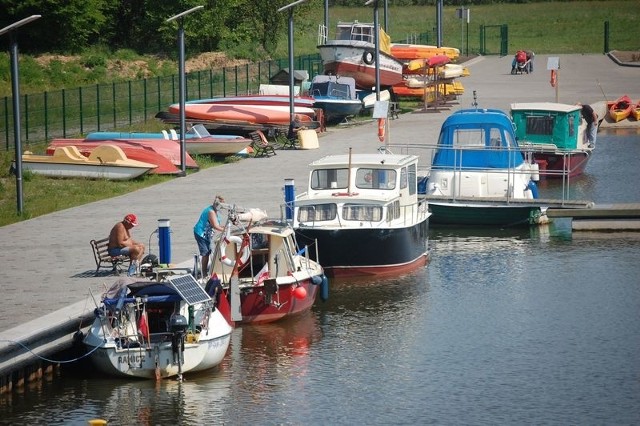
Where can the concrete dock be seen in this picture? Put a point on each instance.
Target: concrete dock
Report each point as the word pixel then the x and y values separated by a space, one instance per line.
pixel 49 285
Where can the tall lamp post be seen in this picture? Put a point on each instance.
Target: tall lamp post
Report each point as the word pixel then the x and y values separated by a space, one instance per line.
pixel 182 84
pixel 15 92
pixel 376 43
pixel 292 116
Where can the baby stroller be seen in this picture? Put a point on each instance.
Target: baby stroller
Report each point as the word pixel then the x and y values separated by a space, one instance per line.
pixel 520 63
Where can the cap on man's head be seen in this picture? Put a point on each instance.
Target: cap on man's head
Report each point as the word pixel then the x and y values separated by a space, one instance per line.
pixel 131 219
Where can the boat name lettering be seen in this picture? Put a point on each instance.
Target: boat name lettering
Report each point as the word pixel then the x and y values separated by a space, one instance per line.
pixel 130 359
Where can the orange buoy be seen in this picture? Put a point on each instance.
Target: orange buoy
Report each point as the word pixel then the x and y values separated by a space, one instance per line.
pixel 382 124
pixel 554 78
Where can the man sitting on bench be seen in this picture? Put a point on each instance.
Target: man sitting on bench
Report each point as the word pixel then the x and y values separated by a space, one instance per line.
pixel 121 243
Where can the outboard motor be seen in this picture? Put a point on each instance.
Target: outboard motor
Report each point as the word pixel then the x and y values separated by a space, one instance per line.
pixel 178 325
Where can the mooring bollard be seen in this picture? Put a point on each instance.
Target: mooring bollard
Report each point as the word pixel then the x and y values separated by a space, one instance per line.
pixel 289 197
pixel 164 240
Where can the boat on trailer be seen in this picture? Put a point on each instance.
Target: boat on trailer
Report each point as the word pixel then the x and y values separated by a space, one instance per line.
pixel 336 96
pixel 153 330
pixel 352 54
pixel 365 213
pixel 479 175
pixel 554 135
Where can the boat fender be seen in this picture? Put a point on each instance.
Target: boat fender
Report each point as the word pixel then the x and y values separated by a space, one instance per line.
pixel 324 289
pixel 368 57
pixel 382 124
pixel 533 188
pixel 223 250
pixel 554 78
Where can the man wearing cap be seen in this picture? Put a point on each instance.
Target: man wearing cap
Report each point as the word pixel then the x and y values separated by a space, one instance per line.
pixel 121 243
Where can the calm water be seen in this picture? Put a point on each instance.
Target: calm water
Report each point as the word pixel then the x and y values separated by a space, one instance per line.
pixel 503 327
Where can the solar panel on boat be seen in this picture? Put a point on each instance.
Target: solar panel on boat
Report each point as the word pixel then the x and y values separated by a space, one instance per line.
pixel 188 288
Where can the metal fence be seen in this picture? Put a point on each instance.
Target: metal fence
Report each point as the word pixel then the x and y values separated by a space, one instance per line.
pixel 74 112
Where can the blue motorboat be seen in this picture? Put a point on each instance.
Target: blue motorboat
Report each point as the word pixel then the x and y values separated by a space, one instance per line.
pixel 336 96
pixel 479 175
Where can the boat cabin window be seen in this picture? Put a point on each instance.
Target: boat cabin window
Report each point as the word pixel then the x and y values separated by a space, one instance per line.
pixel 331 89
pixel 367 178
pixel 356 32
pixel 413 178
pixel 540 125
pixel 468 138
pixel 393 211
pixel 495 138
pixel 362 212
pixel 329 179
pixel 317 212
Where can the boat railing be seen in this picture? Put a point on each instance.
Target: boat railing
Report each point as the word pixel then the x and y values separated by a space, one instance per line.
pixel 426 152
pixel 322 34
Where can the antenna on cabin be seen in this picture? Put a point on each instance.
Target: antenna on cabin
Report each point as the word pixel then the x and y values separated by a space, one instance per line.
pixel 475 100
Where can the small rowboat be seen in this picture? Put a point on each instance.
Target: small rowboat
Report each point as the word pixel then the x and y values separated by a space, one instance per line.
pixel 635 110
pixel 620 109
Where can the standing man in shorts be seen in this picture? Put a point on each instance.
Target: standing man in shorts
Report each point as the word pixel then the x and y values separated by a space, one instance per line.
pixel 203 231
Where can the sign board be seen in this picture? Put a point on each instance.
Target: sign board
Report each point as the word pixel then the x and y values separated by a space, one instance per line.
pixel 463 14
pixel 381 109
pixel 553 63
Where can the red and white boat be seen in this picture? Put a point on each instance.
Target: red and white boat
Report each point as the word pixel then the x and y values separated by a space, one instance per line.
pixel 259 274
pixel 274 100
pixel 352 54
pixel 243 113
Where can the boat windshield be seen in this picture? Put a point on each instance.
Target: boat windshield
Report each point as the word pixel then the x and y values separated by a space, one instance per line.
pixel 367 178
pixel 329 179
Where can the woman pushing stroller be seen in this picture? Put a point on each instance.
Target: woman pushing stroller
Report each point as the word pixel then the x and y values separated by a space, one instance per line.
pixel 522 62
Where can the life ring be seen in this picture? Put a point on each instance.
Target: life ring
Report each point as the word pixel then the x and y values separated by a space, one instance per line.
pixel 382 125
pixel 223 251
pixel 554 78
pixel 368 57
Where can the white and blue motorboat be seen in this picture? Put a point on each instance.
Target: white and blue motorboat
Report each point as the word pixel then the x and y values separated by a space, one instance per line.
pixel 336 96
pixel 479 175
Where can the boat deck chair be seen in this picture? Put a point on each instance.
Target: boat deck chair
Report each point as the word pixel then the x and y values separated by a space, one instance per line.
pixel 260 145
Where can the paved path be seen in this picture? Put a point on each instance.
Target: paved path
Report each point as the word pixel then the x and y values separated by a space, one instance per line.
pixel 47 263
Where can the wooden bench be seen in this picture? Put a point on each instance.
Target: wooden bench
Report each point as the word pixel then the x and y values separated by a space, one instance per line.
pixel 103 259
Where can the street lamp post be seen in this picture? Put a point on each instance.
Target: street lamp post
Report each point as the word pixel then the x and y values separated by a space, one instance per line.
pixel 15 92
pixel 376 43
pixel 292 116
pixel 182 84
